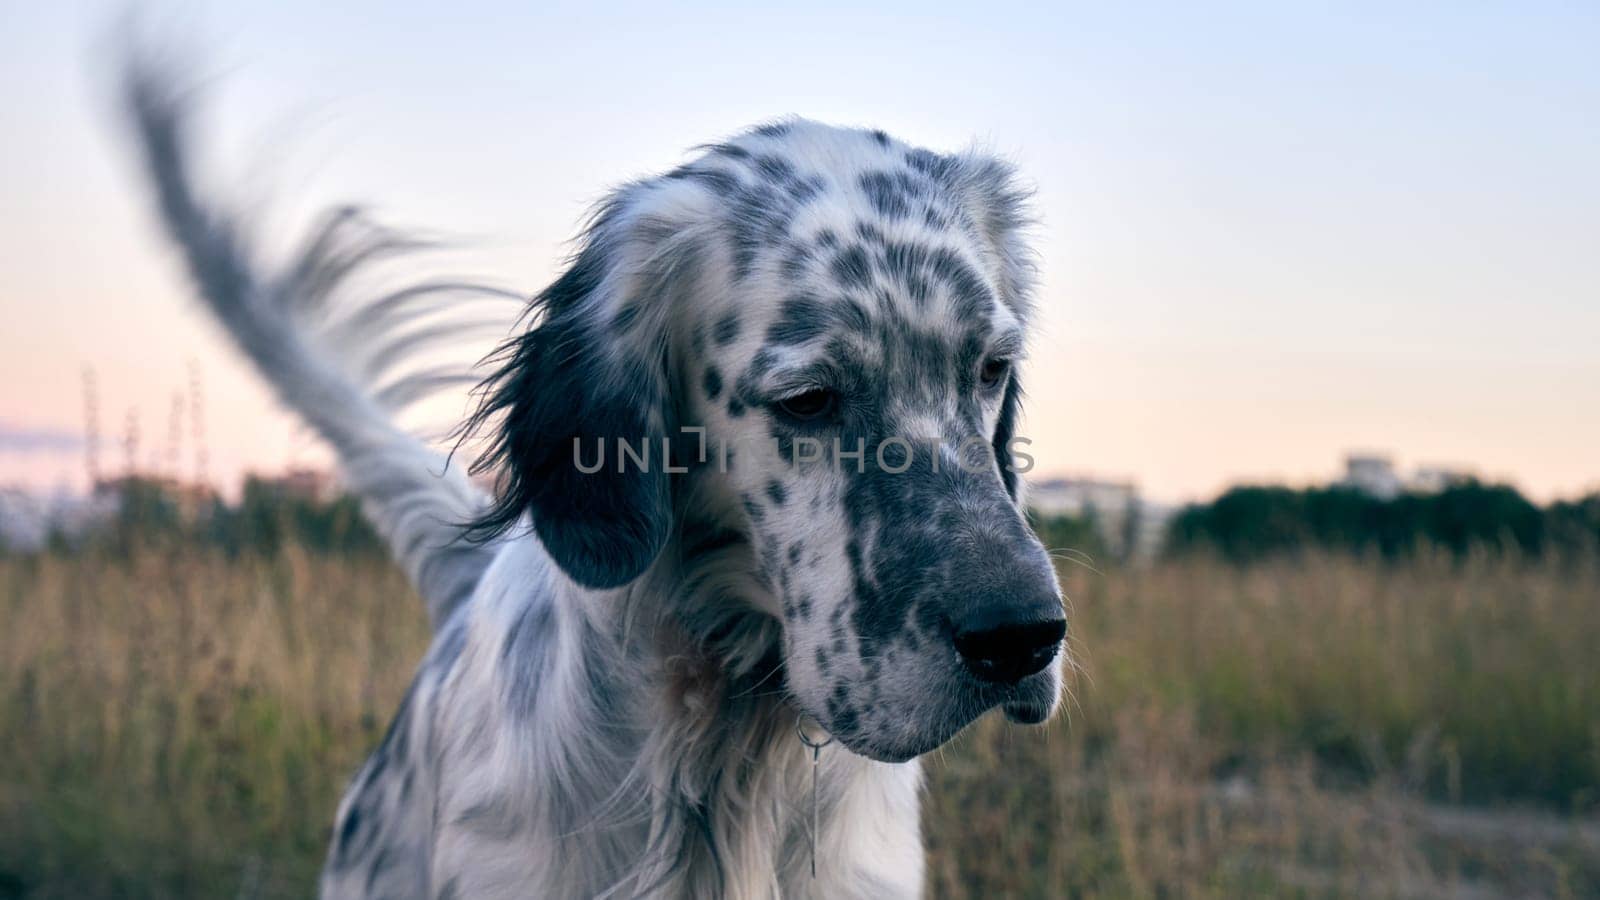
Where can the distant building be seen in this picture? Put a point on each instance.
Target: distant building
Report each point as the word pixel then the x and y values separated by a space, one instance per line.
pixel 1081 496
pixel 315 485
pixel 193 501
pixel 1375 475
pixel 1129 526
pixel 1372 474
pixel 1433 479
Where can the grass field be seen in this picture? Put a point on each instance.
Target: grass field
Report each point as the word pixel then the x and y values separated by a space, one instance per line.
pixel 183 725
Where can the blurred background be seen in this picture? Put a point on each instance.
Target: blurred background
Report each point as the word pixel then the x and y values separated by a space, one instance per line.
pixel 1313 404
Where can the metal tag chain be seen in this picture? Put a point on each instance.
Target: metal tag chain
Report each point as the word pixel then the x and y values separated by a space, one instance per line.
pixel 816 762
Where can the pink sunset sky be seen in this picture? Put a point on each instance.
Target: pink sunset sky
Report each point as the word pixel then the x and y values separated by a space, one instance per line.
pixel 1268 234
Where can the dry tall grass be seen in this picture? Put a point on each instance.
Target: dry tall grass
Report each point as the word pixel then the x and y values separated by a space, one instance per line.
pixel 1316 727
pixel 183 725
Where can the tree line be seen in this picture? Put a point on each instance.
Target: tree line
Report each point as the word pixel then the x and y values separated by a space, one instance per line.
pixel 1244 524
pixel 1251 522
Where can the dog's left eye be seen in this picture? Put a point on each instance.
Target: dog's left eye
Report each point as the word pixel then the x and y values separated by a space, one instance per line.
pixel 808 406
pixel 995 370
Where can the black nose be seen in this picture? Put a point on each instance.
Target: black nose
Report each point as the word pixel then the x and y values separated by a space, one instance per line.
pixel 1007 643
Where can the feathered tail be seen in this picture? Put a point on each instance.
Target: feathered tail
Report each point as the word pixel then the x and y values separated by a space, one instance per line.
pixel 335 359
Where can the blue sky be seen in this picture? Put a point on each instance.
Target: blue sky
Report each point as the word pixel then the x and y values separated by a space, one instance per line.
pixel 1270 232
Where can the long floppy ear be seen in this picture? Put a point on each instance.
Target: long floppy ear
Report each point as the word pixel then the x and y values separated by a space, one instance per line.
pixel 592 373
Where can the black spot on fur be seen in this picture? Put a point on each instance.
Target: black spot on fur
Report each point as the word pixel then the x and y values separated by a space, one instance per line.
pixel 800 318
pixel 888 195
pixel 525 633
pixel 939 168
pixel 967 289
pixel 852 316
pixel 795 261
pixel 452 638
pixel 348 830
pixel 842 716
pixel 908 264
pixel 776 493
pixel 759 216
pixel 760 364
pixel 774 167
pixel 850 267
pixel 717 181
pixel 802 190
pixel 712 382
pixel 380 864
pixel 752 508
pixel 726 329
pixel 522 658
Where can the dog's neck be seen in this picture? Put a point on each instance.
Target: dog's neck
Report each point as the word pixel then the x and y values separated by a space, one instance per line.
pixel 665 747
pixel 729 783
pixel 729 774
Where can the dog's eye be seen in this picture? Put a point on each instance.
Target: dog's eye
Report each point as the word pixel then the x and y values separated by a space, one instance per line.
pixel 809 405
pixel 994 371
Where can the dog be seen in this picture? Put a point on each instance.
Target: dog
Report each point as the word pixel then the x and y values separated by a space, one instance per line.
pixel 757 539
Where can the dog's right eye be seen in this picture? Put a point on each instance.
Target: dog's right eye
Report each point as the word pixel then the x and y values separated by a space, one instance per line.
pixel 809 405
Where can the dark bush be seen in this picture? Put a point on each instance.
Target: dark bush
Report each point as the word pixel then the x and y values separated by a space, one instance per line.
pixel 1254 522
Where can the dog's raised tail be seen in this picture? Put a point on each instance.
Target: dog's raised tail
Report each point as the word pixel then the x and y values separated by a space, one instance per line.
pixel 331 357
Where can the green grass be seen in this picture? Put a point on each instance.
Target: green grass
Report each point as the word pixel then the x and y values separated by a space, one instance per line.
pixel 184 724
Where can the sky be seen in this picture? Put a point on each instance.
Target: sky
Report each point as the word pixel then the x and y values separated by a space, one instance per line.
pixel 1269 233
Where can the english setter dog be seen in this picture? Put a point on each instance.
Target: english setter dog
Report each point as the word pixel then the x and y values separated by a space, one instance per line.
pixel 757 490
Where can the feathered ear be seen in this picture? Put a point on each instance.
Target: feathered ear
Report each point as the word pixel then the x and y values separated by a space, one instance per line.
pixel 999 208
pixel 593 372
pixel 999 205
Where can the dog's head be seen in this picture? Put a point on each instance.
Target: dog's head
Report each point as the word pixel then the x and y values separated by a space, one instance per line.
pixel 793 363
